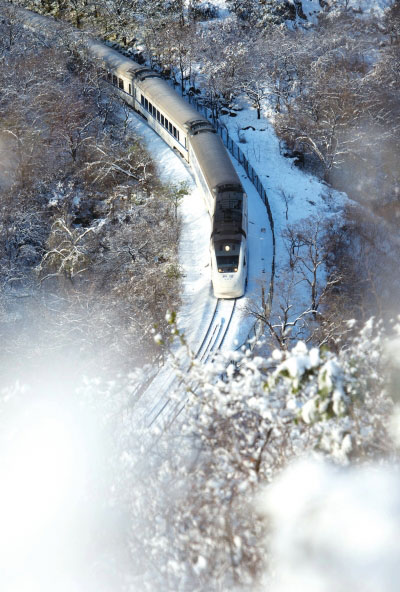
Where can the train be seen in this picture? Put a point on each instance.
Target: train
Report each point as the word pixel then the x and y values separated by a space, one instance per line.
pixel 191 135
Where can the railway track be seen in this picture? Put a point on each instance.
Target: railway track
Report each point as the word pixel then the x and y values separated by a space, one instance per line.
pixel 212 342
pixel 217 329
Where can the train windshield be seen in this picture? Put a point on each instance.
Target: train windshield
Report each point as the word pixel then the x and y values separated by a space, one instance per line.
pixel 227 253
pixel 227 263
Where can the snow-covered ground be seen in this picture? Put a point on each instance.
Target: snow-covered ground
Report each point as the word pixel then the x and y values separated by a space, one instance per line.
pixel 364 7
pixel 293 194
pixel 306 194
pixel 311 9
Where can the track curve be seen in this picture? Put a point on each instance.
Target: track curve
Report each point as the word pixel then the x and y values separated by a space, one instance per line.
pixel 212 342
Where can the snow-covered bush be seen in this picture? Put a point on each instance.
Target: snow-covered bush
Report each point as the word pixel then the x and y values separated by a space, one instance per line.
pixel 246 418
pixel 177 499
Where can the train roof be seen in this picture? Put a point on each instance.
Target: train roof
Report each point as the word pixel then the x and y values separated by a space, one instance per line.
pixel 161 94
pixel 112 58
pixel 214 161
pixel 156 90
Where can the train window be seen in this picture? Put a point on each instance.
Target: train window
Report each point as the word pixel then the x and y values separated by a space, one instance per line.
pixel 142 100
pixel 120 83
pixel 166 123
pixel 130 89
pixel 177 135
pixel 115 80
pixel 227 264
pixel 174 131
pixel 109 76
pixel 170 127
pixel 158 115
pixel 146 104
pixel 162 120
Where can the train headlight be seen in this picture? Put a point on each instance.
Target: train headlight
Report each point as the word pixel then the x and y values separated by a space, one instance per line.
pixel 235 269
pixel 227 248
pixel 219 270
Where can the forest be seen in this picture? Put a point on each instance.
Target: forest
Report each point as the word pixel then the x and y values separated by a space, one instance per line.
pixel 87 228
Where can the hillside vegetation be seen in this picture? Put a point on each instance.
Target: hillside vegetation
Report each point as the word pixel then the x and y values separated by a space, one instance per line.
pixel 88 233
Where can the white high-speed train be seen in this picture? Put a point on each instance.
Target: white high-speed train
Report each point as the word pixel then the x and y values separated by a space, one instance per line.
pixel 185 130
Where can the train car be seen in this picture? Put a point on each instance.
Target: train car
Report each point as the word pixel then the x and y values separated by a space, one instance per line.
pixel 227 205
pixel 169 115
pixel 118 70
pixel 192 135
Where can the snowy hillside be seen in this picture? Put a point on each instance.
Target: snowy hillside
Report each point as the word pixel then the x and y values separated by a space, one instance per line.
pixel 144 445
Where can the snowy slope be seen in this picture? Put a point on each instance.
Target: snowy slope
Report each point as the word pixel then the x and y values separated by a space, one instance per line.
pixel 312 8
pixel 307 195
pixel 365 7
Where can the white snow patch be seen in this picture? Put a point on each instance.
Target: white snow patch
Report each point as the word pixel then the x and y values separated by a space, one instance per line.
pixel 334 529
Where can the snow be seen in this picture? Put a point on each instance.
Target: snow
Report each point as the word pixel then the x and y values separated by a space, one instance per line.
pixel 306 505
pixel 223 11
pixel 361 8
pixel 302 360
pixel 310 197
pixel 368 7
pixel 193 250
pixel 334 529
pixel 198 302
pixel 261 147
pixel 311 9
pixel 306 194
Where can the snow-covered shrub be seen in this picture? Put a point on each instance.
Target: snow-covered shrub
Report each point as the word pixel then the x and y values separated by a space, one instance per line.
pixel 178 497
pixel 246 418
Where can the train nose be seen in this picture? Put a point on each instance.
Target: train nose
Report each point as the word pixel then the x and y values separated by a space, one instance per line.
pixel 229 286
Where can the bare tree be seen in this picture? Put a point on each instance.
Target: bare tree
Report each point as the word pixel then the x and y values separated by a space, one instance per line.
pixel 302 288
pixel 287 199
pixel 10 28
